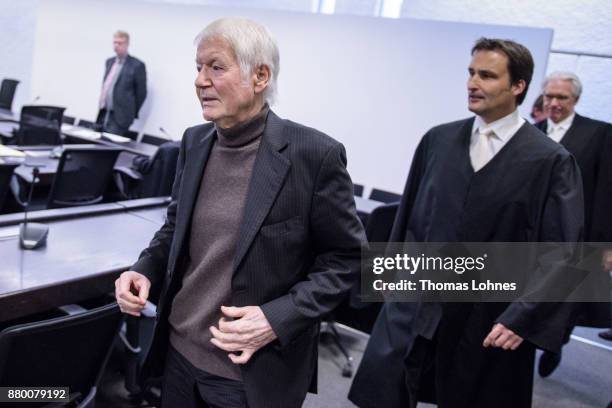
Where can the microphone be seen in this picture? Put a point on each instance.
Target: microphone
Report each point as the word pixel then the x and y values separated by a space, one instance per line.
pixel 161 129
pixel 32 235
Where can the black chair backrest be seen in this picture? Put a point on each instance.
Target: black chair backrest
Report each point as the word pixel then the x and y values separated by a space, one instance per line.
pixel 158 172
pixel 131 134
pixel 358 189
pixel 7 93
pixel 384 196
pixel 6 172
pixel 87 124
pixel 69 120
pixel 380 222
pixel 40 125
pixel 154 140
pixel 82 176
pixel 67 351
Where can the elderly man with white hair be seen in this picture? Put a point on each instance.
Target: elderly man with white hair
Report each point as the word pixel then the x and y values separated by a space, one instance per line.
pixel 261 239
pixel 590 142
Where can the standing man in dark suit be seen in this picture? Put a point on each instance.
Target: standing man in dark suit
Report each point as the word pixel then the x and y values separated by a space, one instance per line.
pixel 262 239
pixel 490 178
pixel 590 141
pixel 124 88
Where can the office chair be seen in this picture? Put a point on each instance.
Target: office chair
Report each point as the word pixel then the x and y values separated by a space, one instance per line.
pixel 380 222
pixel 154 140
pixel 353 312
pixel 149 177
pixel 7 93
pixel 82 176
pixel 39 125
pixel 66 351
pixel 131 134
pixel 358 189
pixel 136 337
pixel 384 196
pixel 6 172
pixel 87 124
pixel 69 120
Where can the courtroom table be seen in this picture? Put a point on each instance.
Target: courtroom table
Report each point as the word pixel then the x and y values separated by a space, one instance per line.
pixel 79 134
pixel 87 248
pixel 7 128
pixel 7 115
pixel 75 134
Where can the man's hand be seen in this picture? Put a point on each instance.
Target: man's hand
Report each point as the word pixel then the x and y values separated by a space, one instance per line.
pixel 131 292
pixel 500 336
pixel 249 332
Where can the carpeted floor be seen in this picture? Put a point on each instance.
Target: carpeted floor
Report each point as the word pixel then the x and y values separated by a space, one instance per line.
pixel 584 378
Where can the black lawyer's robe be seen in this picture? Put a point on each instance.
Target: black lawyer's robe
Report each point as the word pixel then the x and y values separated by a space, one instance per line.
pixel 530 191
pixel 590 142
pixel 297 254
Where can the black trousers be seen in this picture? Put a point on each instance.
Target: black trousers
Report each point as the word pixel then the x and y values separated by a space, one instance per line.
pixel 186 386
pixel 106 121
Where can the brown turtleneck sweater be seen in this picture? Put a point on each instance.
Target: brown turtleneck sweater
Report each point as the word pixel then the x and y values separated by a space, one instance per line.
pixel 214 232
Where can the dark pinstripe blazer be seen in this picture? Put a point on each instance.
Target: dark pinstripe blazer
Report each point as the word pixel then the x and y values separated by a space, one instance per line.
pixel 297 255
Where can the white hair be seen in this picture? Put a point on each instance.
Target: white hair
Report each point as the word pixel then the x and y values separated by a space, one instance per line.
pixel 252 44
pixel 566 76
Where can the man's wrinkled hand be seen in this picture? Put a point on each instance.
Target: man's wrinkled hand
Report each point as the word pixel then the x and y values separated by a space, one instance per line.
pixel 131 292
pixel 245 334
pixel 502 337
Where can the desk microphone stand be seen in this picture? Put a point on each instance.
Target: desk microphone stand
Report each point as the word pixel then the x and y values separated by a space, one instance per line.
pixel 32 235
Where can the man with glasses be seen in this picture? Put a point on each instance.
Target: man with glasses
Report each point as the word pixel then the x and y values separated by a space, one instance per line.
pixel 590 141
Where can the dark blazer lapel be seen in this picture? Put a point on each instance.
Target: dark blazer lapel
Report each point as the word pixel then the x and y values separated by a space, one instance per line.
pixel 191 180
pixel 269 172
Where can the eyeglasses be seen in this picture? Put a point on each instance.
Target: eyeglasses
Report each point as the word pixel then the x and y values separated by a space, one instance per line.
pixel 560 98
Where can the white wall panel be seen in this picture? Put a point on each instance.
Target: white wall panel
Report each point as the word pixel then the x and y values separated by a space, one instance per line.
pixel 375 84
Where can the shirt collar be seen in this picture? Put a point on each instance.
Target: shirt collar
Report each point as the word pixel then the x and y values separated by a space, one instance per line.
pixel 503 128
pixel 564 124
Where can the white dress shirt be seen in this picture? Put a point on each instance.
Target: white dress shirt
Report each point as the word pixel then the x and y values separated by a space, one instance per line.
pixel 488 139
pixel 556 131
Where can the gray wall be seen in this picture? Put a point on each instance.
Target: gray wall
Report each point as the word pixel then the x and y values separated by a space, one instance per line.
pixel 17 33
pixel 579 27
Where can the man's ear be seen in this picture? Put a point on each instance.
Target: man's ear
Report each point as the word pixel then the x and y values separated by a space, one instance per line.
pixel 262 77
pixel 519 87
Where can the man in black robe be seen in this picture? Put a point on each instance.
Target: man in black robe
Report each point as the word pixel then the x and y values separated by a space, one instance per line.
pixel 492 178
pixel 590 142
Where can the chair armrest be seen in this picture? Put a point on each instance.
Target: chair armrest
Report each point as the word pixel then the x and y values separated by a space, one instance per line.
pixel 72 309
pixel 129 172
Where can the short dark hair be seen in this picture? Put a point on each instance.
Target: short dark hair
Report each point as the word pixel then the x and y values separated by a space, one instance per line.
pixel 520 61
pixel 539 103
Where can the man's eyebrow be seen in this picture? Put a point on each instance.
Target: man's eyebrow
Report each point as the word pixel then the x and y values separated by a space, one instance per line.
pixel 486 71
